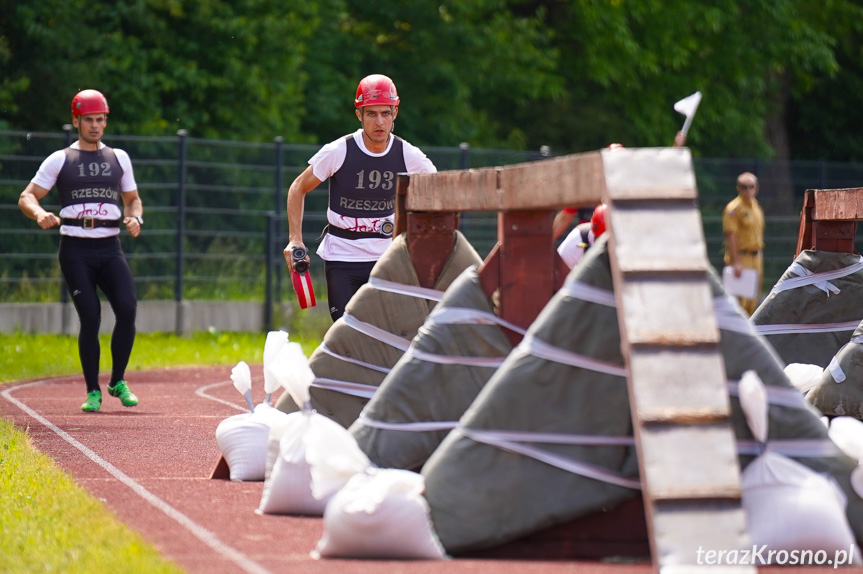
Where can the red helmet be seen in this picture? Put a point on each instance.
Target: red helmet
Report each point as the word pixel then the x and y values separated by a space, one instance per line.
pixel 614 146
pixel 597 220
pixel 376 90
pixel 89 102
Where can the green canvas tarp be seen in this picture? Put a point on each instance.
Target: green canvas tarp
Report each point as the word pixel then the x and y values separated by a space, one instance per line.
pixel 452 357
pixel 814 307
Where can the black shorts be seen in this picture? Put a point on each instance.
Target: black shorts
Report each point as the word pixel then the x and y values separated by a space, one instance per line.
pixel 344 278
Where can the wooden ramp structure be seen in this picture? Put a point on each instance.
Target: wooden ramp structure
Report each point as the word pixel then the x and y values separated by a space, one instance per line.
pixel 676 378
pixel 828 220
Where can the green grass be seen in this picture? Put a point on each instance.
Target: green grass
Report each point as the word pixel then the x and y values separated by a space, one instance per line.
pixel 49 523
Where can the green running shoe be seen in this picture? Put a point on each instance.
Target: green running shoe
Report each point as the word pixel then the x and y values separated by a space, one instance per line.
pixel 122 392
pixel 94 402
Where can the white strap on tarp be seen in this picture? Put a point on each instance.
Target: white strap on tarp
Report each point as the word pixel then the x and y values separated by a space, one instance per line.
pixel 493 438
pixel 376 333
pixel 791 447
pixel 585 292
pixel 820 280
pixel 324 349
pixel 489 362
pixel 780 396
pixel 790 328
pixel 513 441
pixel 468 316
pixel 402 289
pixel 409 427
pixel 533 346
pixel 345 387
pixel 836 370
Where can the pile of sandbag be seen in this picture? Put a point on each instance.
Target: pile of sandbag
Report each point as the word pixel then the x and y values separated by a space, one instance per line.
pixel 555 418
pixel 789 507
pixel 810 313
pixel 243 438
pixel 314 467
pixel 836 390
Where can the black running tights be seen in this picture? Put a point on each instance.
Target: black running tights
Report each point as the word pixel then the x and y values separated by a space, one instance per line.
pixel 88 264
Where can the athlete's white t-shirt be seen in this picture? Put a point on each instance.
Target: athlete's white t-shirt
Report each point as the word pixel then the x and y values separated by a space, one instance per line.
pixel 572 248
pixel 324 164
pixel 47 175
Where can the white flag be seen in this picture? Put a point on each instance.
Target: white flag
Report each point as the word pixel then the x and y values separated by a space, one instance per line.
pixel 687 106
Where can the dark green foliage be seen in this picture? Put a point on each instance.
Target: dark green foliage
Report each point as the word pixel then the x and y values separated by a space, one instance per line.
pixel 572 74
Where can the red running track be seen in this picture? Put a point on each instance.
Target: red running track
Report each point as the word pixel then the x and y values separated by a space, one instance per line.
pixel 150 465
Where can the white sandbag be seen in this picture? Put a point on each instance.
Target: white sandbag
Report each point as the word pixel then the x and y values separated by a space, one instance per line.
pixel 242 440
pixel 804 377
pixel 288 487
pixel 380 514
pixel 847 433
pixel 276 340
pixel 788 506
pixel 309 440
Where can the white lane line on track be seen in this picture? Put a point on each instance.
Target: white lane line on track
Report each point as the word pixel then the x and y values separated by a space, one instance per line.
pixel 202 392
pixel 201 533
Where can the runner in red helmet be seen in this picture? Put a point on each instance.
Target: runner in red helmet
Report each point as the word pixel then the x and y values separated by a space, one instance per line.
pixel 98 195
pixel 361 168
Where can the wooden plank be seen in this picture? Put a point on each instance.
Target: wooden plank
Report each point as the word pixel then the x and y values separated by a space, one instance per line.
pixel 573 180
pixel 682 385
pixel 804 236
pixel 651 173
pixel 669 337
pixel 718 525
pixel 527 262
pixel 834 236
pixel 400 216
pixel 838 204
pixel 650 230
pixel 689 461
pixel 430 239
pixel 667 310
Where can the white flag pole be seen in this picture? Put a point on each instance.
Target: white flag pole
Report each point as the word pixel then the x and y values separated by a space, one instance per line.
pixel 688 106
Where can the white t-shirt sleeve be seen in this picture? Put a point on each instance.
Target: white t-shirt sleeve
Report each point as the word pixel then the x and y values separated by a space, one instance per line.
pixel 48 172
pixel 127 183
pixel 416 161
pixel 329 159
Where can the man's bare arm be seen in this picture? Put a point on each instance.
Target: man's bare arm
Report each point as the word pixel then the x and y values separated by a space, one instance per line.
pixel 304 183
pixel 29 204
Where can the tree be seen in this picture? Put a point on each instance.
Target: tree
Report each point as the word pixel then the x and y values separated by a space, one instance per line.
pixel 216 68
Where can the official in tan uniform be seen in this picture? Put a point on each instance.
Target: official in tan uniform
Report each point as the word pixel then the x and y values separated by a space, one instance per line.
pixel 743 226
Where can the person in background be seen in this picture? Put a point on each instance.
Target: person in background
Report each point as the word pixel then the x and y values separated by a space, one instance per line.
pixel 362 169
pixel 580 239
pixel 98 194
pixel 743 227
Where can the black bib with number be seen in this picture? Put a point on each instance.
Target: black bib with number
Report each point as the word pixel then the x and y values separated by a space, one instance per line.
pixel 90 177
pixel 365 186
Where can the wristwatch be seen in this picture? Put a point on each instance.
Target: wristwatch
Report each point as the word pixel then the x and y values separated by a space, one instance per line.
pixel 140 220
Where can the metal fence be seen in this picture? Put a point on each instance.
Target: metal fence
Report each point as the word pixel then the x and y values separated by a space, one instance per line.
pixel 216 225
